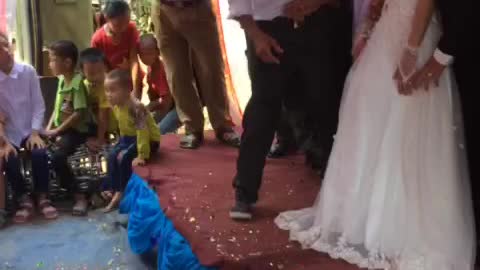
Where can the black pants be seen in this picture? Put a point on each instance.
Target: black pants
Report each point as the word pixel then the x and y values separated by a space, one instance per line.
pixel 291 130
pixel 40 173
pixel 68 143
pixel 468 86
pixel 318 53
pixel 120 161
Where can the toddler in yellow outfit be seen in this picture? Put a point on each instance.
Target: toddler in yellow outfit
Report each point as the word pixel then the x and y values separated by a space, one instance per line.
pixel 139 134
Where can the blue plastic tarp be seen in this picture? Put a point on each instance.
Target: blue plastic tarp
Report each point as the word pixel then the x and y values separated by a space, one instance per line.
pixel 149 228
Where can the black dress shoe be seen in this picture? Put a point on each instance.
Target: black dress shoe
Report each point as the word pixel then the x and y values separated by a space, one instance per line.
pixel 241 211
pixel 317 162
pixel 191 141
pixel 280 150
pixel 229 137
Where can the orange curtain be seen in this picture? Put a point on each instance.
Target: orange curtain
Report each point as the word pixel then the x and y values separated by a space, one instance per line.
pixel 235 110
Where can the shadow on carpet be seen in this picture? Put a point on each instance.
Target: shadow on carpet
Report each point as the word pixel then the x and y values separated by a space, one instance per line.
pixel 96 242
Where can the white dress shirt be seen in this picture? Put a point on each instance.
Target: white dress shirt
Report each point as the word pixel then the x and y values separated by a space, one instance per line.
pixel 22 103
pixel 261 10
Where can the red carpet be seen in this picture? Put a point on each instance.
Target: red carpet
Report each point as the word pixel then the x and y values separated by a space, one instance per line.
pixel 195 190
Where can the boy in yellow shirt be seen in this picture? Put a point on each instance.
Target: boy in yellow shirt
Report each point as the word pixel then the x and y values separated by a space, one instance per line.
pixel 93 66
pixel 139 134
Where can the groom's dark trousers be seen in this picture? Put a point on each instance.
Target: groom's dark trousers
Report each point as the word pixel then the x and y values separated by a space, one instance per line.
pixel 316 52
pixel 459 28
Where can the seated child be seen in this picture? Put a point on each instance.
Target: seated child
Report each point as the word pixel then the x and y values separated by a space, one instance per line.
pixel 139 135
pixel 92 64
pixel 161 101
pixel 118 39
pixel 23 109
pixel 69 122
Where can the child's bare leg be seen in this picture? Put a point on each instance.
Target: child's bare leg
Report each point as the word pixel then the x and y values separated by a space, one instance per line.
pixel 81 205
pixel 117 197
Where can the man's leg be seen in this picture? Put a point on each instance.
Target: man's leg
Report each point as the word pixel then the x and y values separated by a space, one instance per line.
pixel 40 171
pixel 14 176
pixel 17 180
pixel 3 213
pixel 176 55
pixel 470 109
pixel 285 139
pixel 325 63
pixel 260 120
pixel 2 188
pixel 203 38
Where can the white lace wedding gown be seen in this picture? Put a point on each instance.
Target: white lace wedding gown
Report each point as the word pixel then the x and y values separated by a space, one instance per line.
pixel 396 193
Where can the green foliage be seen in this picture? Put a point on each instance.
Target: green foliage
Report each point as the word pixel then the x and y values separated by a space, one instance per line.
pixel 141 14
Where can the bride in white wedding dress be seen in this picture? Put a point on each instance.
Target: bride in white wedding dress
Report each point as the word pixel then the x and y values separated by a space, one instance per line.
pixel 396 193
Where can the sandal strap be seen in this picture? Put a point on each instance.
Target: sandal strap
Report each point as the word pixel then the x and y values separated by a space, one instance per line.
pixel 23 213
pixel 26 202
pixel 44 203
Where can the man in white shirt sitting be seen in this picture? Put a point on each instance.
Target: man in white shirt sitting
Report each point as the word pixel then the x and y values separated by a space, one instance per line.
pixel 310 39
pixel 22 104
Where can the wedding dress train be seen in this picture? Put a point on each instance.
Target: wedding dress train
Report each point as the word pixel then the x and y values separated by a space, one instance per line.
pixel 396 193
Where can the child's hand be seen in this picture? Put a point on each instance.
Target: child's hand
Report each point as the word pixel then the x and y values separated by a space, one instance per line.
pixel 138 162
pixel 125 64
pixel 51 133
pixel 94 144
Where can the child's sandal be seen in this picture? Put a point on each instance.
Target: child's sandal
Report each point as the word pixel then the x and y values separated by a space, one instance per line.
pixel 22 216
pixel 80 208
pixel 47 210
pixel 25 212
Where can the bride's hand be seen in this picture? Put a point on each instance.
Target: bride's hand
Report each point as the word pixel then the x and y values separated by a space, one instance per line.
pixel 405 69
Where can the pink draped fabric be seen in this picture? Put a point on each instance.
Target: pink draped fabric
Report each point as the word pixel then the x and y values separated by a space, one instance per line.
pixel 3 15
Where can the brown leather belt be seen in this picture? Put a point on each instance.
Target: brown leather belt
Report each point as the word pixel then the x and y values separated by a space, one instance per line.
pixel 181 3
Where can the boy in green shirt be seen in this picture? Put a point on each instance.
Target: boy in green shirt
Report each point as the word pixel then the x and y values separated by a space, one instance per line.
pixel 69 121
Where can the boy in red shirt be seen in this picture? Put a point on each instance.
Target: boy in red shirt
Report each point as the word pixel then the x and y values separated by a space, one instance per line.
pixel 161 101
pixel 118 39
